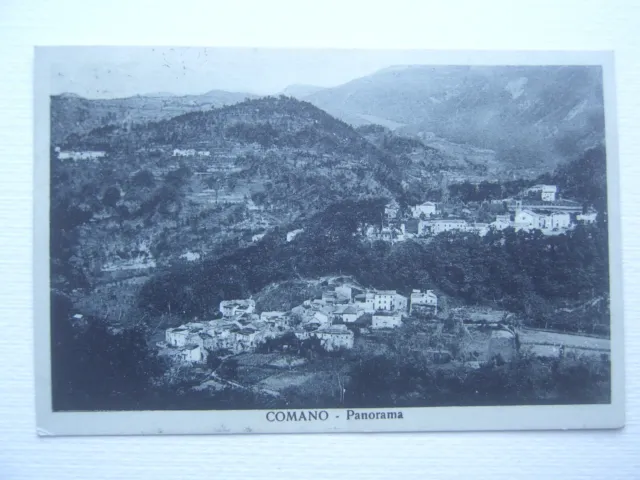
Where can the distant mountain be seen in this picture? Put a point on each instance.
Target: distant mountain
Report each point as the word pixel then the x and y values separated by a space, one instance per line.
pixel 72 114
pixel 301 91
pixel 532 117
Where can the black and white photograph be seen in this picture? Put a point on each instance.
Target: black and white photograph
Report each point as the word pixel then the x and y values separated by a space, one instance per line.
pixel 318 240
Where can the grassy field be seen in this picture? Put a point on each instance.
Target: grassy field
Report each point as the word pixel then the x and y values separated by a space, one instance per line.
pixel 568 340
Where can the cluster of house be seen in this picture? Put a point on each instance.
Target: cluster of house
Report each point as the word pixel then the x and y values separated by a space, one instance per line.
pixel 240 329
pixel 538 209
pixel 327 318
pixel 400 231
pixel 81 155
pixel 190 152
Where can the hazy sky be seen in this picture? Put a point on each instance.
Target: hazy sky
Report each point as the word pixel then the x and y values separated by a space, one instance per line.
pixel 107 72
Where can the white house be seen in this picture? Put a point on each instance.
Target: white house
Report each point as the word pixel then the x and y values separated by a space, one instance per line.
pixel 365 301
pixel 329 297
pixel 350 313
pixel 302 334
pixel 264 316
pixel 590 217
pixel 87 155
pixel 389 300
pixel 424 227
pixel 391 209
pixel 257 237
pixel 401 303
pixel 193 354
pixel 386 320
pixel 344 292
pixel 177 337
pixel 246 339
pixel 293 234
pixel 229 308
pixel 427 209
pixel 334 337
pixel 480 228
pixel 386 234
pixel 323 316
pixel 526 219
pixel 446 225
pixel 501 222
pixel 184 153
pixel 423 300
pixel 547 192
pixel 559 220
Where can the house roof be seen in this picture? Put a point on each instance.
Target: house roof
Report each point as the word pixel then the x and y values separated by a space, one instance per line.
pixel 350 310
pixel 448 220
pixel 557 203
pixel 335 329
pixel 386 292
pixel 427 293
pixel 386 314
pixel 529 212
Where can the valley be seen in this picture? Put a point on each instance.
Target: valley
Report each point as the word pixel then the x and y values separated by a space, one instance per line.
pixel 163 208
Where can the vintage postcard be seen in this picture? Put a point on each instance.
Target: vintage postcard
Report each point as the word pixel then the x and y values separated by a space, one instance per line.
pixel 285 241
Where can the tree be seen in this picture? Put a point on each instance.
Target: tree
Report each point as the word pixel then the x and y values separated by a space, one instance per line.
pixel 311 348
pixel 95 368
pixel 144 178
pixel 228 369
pixel 111 196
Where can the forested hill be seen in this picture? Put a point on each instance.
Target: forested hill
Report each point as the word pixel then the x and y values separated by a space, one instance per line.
pixel 75 115
pixel 267 121
pixel 273 162
pixel 293 137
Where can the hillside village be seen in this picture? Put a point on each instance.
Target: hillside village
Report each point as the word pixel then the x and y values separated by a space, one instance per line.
pixel 330 318
pixel 208 238
pixel 537 208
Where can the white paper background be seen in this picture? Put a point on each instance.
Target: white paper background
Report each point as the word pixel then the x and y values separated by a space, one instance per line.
pixel 566 25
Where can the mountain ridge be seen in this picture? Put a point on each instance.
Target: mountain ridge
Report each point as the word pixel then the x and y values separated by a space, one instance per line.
pixel 528 115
